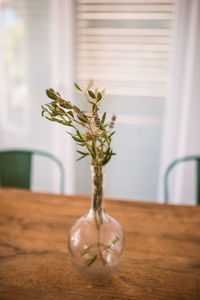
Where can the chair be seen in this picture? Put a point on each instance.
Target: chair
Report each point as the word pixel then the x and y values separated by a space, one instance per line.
pixel 16 167
pixel 174 163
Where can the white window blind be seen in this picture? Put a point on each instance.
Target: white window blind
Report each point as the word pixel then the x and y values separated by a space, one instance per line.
pixel 124 45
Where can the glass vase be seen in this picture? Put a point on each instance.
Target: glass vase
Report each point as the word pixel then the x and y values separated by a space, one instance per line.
pixel 96 241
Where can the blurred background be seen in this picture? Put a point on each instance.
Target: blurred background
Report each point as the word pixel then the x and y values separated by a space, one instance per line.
pixel 145 53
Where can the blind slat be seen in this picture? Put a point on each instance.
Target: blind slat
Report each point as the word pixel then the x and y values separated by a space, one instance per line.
pixel 124 47
pixel 123 31
pixel 127 8
pixel 124 16
pixel 127 1
pixel 122 54
pixel 125 39
pixel 126 77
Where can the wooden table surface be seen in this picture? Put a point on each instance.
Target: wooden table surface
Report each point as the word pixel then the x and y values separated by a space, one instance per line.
pixel 161 258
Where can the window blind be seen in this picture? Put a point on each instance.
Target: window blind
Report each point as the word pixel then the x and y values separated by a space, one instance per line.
pixel 124 45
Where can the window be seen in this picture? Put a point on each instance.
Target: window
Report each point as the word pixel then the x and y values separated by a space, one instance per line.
pixel 15 88
pixel 125 47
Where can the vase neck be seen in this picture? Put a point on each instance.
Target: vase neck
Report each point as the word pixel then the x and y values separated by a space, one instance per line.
pixel 97 173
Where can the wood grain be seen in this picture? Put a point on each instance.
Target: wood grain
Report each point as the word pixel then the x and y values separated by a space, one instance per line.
pixel 161 259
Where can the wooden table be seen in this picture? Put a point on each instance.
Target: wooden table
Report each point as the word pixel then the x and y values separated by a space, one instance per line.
pixel 161 259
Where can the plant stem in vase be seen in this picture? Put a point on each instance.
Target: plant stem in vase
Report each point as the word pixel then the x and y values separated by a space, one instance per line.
pixel 96 241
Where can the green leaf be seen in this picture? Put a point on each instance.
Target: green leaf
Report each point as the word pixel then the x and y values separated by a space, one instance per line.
pixel 53 103
pixel 103 118
pixel 53 119
pixel 81 119
pixel 91 261
pixel 107 156
pixel 81 157
pixel 91 102
pixel 77 86
pixel 70 113
pixel 81 152
pixel 55 113
pixel 112 133
pixel 91 94
pixel 86 250
pixel 81 144
pixel 102 127
pixel 77 110
pixel 51 94
pixel 43 110
pixel 99 96
pixel 116 239
pixel 79 134
pixel 66 105
pixel 66 123
pixel 76 139
pixel 50 107
pixel 93 149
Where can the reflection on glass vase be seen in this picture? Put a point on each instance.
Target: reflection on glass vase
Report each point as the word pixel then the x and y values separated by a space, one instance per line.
pixel 96 241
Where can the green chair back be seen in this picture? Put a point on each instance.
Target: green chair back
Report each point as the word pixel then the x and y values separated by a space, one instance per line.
pixel 16 167
pixel 172 165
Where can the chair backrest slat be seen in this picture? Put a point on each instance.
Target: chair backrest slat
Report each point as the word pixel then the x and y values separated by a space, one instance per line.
pixel 172 165
pixel 15 169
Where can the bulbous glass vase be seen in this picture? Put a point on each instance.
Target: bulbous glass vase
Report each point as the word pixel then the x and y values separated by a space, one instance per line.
pixel 96 241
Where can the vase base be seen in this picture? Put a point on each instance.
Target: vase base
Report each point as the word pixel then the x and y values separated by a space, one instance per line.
pixel 97 274
pixel 93 282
